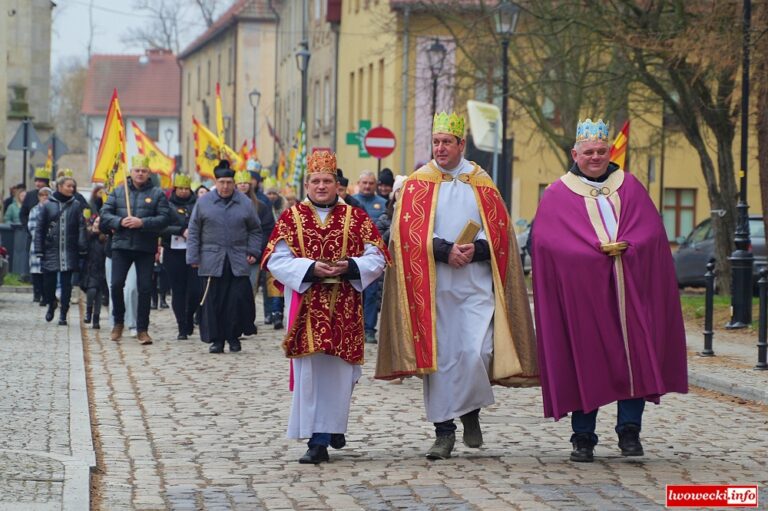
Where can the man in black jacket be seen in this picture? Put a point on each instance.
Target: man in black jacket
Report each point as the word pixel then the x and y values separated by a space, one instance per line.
pixel 134 241
pixel 42 178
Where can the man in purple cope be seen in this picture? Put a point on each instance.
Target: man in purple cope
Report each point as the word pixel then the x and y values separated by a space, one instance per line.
pixel 607 308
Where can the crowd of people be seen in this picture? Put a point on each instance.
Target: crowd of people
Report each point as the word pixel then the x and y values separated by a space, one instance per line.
pixel 425 266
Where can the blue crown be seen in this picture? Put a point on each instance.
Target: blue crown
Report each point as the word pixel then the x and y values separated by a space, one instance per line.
pixel 593 131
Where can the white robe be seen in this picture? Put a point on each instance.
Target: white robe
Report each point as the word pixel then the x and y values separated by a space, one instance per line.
pixel 465 307
pixel 323 384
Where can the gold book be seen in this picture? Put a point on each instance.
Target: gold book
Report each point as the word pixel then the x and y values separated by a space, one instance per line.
pixel 468 233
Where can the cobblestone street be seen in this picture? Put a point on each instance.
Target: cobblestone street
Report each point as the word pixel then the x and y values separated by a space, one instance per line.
pixel 182 429
pixel 177 428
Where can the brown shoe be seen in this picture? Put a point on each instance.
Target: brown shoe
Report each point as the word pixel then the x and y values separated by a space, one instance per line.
pixel 144 338
pixel 117 332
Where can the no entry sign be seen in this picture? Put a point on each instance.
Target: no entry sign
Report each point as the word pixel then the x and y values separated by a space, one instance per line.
pixel 380 142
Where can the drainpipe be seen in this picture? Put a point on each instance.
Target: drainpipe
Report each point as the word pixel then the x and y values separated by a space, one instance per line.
pixel 404 111
pixel 275 155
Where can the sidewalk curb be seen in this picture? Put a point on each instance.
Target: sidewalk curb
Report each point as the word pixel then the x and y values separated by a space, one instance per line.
pixel 77 480
pixel 16 289
pixel 722 385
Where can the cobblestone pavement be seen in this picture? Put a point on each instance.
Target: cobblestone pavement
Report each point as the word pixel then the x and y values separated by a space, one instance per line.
pixel 182 429
pixel 44 459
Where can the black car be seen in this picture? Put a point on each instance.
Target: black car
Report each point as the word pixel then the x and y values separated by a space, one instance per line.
pixel 698 249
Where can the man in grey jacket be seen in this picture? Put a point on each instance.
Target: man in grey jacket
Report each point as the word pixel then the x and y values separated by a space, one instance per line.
pixel 134 241
pixel 223 241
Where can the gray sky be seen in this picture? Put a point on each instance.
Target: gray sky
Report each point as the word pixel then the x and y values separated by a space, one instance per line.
pixel 112 19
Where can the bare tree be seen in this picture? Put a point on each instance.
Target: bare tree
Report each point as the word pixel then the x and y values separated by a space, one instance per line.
pixel 208 10
pixel 67 87
pixel 162 31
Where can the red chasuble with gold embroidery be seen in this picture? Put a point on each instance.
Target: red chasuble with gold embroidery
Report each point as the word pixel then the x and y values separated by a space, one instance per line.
pixel 330 315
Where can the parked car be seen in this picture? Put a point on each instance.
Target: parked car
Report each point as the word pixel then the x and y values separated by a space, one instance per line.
pixel 3 264
pixel 698 249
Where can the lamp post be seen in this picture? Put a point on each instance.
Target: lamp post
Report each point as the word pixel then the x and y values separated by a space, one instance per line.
pixel 302 62
pixel 507 14
pixel 255 97
pixel 168 138
pixel 436 56
pixel 742 259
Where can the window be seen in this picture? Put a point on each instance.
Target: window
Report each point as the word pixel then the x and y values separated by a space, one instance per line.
pixel 218 67
pixel 317 108
pixel 351 108
pixel 380 109
pixel 152 128
pixel 209 78
pixel 231 66
pixel 198 81
pixel 679 211
pixel 327 102
pixel 318 9
pixel 360 111
pixel 370 91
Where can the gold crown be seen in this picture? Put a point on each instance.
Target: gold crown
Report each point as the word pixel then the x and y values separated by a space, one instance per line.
pixel 182 181
pixel 451 124
pixel 139 161
pixel 242 176
pixel 42 173
pixel 321 161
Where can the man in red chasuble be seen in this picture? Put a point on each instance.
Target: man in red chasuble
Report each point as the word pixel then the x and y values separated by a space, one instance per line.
pixel 455 308
pixel 325 253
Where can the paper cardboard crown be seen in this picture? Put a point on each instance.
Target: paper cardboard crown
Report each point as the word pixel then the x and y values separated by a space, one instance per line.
pixel 242 176
pixel 42 173
pixel 182 181
pixel 139 161
pixel 450 124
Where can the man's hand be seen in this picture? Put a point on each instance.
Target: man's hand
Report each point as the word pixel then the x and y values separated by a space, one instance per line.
pixel 250 259
pixel 341 267
pixel 323 270
pixel 132 222
pixel 461 255
pixel 184 234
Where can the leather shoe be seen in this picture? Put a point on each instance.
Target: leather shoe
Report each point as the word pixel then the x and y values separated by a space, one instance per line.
pixel 235 346
pixel 338 440
pixel 473 435
pixel 96 326
pixel 629 441
pixel 144 338
pixel 181 337
pixel 51 311
pixel 216 348
pixel 441 449
pixel 62 322
pixel 117 332
pixel 583 448
pixel 87 318
pixel 315 455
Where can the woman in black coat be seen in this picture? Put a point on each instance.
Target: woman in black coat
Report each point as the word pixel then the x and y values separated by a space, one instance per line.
pixel 93 280
pixel 60 241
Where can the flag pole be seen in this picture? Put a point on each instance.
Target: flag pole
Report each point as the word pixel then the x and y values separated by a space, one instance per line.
pixel 125 187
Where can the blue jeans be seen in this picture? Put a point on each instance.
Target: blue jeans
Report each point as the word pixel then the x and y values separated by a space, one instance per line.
pixel 371 305
pixel 630 411
pixel 320 440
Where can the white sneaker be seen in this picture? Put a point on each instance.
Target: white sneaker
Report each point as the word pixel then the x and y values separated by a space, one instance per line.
pixel 132 332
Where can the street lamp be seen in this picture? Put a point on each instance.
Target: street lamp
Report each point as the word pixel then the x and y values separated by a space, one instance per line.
pixel 168 138
pixel 255 97
pixel 436 56
pixel 742 258
pixel 507 13
pixel 302 62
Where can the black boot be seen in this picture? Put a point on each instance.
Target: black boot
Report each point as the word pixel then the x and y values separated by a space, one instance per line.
pixel 88 313
pixel 315 455
pixel 63 315
pixel 51 310
pixel 153 302
pixel 277 320
pixel 182 336
pixel 583 448
pixel 216 347
pixel 95 325
pixel 163 303
pixel 235 346
pixel 629 441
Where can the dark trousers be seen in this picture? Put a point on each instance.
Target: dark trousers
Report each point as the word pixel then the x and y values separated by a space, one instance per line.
pixel 448 427
pixel 371 305
pixel 49 288
pixel 93 302
pixel 630 411
pixel 37 285
pixel 319 440
pixel 121 263
pixel 185 288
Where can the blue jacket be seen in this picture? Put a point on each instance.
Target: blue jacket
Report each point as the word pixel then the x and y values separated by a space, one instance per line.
pixel 222 228
pixel 149 204
pixel 374 205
